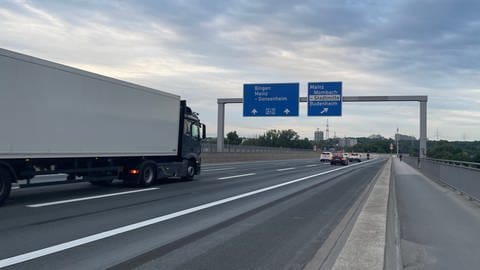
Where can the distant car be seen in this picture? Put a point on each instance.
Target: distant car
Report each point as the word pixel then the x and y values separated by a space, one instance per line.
pixel 339 158
pixel 326 156
pixel 354 157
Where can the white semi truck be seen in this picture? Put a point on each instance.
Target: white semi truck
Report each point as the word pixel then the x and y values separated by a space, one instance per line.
pixel 58 119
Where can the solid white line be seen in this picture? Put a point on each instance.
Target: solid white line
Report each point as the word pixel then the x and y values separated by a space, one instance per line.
pixel 235 176
pixel 90 198
pixel 99 236
pixel 285 169
pixel 220 169
pixel 311 165
pixel 15 187
pixel 51 175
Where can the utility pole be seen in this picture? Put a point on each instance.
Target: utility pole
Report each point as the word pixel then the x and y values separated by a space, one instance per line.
pixel 396 137
pixel 327 132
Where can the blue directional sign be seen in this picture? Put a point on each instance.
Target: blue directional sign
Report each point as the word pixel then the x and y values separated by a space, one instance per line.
pixel 325 99
pixel 276 99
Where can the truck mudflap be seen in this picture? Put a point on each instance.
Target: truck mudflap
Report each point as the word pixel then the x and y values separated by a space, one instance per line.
pixel 198 168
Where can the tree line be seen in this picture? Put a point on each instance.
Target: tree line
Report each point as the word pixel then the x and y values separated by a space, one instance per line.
pixel 457 150
pixel 272 138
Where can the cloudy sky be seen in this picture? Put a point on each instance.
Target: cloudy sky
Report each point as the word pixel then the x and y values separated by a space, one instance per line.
pixel 204 50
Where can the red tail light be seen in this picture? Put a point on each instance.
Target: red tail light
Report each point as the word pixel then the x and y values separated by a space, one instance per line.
pixel 134 171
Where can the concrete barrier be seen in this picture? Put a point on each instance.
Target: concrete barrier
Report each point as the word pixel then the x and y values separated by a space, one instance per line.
pixel 235 157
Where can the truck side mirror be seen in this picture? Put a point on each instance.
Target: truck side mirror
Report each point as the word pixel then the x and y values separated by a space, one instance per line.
pixel 204 132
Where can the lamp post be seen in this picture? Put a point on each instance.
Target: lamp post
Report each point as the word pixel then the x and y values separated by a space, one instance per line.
pixel 396 138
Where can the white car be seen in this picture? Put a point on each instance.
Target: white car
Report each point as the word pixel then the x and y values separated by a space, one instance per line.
pixel 354 157
pixel 326 156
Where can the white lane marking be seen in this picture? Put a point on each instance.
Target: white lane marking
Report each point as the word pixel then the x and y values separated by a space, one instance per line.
pixel 99 236
pixel 90 198
pixel 235 176
pixel 286 169
pixel 51 175
pixel 15 187
pixel 311 165
pixel 220 169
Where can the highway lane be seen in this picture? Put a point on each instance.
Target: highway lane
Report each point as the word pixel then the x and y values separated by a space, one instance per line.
pixel 203 190
pixel 58 192
pixel 31 229
pixel 64 192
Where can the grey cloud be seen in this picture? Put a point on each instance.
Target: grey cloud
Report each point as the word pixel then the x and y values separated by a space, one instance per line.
pixel 421 37
pixel 375 47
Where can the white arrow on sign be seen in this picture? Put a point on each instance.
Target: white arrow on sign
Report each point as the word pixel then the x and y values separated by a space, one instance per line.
pixel 325 110
pixel 254 112
pixel 287 111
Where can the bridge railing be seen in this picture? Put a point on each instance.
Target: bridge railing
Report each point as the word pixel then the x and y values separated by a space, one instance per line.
pixel 460 175
pixel 212 148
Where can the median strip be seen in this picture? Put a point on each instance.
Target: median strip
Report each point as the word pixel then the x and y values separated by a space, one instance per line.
pixel 89 198
pixel 235 176
pixel 365 246
pixel 99 236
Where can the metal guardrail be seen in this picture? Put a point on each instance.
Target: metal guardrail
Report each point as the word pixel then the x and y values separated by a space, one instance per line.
pixel 212 148
pixel 457 163
pixel 460 175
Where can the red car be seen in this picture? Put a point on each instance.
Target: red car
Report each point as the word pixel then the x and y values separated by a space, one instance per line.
pixel 339 158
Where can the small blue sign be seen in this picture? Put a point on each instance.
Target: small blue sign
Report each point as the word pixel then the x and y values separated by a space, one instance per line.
pixel 276 99
pixel 325 99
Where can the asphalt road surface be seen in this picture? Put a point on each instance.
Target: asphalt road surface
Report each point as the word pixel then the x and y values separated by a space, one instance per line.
pixel 252 215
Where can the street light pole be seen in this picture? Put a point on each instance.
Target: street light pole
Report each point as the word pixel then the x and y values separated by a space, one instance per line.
pixel 396 137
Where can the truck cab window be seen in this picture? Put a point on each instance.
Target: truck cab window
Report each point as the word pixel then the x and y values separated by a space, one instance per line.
pixel 195 131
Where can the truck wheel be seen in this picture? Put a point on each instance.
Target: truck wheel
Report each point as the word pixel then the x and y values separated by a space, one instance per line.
pixel 5 185
pixel 147 175
pixel 190 171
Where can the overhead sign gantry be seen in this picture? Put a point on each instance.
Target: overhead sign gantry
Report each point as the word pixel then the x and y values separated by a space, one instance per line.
pixel 422 100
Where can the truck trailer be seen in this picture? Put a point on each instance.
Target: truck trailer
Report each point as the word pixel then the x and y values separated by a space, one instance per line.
pixel 58 119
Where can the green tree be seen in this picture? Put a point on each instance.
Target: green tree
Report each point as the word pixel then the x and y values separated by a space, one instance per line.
pixel 233 138
pixel 283 138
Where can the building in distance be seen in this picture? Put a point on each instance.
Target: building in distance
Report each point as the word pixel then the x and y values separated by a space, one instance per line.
pixel 318 136
pixel 402 137
pixel 347 142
